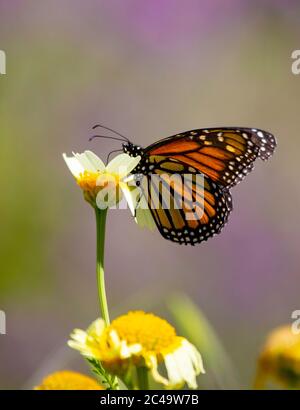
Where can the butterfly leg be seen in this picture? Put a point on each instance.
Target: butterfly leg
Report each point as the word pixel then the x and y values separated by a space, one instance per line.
pixel 138 180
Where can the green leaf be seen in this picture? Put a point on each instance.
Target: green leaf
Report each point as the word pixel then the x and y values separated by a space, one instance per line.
pixel 106 379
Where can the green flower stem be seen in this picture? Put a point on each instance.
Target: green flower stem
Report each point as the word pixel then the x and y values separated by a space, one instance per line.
pixel 100 222
pixel 142 377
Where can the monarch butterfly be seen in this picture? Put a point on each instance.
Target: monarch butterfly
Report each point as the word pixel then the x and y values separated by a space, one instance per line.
pixel 221 156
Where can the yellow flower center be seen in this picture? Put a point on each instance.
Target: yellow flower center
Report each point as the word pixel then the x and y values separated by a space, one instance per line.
pixel 88 181
pixel 151 332
pixel 280 359
pixel 93 182
pixel 67 380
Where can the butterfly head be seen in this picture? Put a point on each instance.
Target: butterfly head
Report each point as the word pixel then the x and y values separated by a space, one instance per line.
pixel 132 149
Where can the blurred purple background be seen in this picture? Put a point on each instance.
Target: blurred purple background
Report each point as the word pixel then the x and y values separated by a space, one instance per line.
pixel 148 69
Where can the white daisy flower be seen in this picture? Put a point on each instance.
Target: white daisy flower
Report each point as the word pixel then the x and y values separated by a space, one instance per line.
pixel 103 186
pixel 141 340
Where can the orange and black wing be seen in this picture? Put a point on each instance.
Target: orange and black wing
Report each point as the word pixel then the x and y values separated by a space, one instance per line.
pixel 225 155
pixel 187 207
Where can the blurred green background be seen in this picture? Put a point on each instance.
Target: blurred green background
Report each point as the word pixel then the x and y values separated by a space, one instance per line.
pixel 148 69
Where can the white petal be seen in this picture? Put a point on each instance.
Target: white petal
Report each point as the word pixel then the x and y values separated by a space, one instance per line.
pixel 74 165
pixel 124 350
pixel 185 367
pixel 79 341
pixel 90 162
pixel 115 340
pixel 135 348
pixel 138 205
pixel 122 165
pixel 195 357
pixel 77 346
pixel 174 374
pixel 132 195
pixel 95 160
pixel 79 335
pixel 130 179
pixel 151 362
pixel 74 345
pixel 143 215
pixel 96 328
pixel 144 219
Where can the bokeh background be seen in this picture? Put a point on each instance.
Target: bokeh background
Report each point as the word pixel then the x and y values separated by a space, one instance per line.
pixel 149 69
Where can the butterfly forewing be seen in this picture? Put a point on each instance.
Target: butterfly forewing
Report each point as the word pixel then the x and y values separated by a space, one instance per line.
pixel 225 155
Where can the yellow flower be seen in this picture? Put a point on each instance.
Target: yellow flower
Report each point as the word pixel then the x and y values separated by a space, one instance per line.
pixel 103 186
pixel 141 340
pixel 68 380
pixel 279 360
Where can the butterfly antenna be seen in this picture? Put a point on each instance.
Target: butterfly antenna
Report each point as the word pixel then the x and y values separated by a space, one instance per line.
pixel 110 129
pixel 107 137
pixel 111 152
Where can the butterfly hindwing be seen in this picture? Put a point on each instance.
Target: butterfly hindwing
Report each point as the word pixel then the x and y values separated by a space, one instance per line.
pixel 187 207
